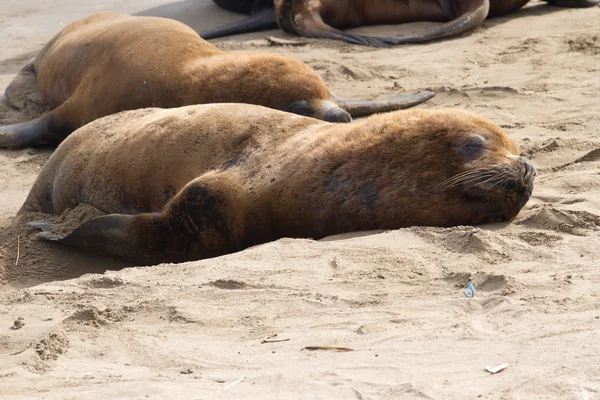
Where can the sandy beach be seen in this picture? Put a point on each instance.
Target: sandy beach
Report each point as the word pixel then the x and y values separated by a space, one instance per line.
pixel 87 328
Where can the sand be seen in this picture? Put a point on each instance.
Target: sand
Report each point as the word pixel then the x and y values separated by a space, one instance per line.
pixel 92 329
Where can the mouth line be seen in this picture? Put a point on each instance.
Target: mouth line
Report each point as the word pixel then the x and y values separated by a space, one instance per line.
pixel 486 191
pixel 508 187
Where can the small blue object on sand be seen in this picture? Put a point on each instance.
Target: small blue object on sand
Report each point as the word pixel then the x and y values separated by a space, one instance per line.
pixel 470 290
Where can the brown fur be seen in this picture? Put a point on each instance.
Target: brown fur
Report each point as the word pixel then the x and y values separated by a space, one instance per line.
pixel 325 18
pixel 354 13
pixel 112 62
pixel 201 181
pixel 162 63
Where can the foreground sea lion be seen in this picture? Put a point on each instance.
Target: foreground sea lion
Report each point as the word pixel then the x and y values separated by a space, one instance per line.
pixel 325 18
pixel 112 62
pixel 200 181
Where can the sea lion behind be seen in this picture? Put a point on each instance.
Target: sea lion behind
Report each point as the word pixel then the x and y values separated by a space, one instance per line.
pixel 325 18
pixel 201 181
pixel 112 62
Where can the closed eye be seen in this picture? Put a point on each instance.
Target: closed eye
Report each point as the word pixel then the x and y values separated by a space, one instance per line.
pixel 300 107
pixel 473 147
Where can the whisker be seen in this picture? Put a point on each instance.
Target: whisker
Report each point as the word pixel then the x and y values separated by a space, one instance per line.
pixel 502 178
pixel 475 183
pixel 469 179
pixel 458 178
pixel 459 175
pixel 474 177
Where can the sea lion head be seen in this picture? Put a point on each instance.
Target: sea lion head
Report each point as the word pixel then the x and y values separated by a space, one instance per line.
pixel 449 167
pixel 295 87
pixel 480 169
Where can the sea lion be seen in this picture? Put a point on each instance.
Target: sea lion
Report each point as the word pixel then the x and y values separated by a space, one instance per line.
pixel 111 62
pixel 325 18
pixel 205 180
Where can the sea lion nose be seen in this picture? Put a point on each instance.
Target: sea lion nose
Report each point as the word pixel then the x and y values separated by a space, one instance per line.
pixel 529 171
pixel 337 115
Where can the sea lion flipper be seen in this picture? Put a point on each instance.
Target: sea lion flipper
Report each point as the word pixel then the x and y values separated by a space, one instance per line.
pixel 326 32
pixel 49 129
pixel 43 226
pixel 262 20
pixel 23 86
pixel 573 3
pixel 26 134
pixel 195 224
pixel 109 234
pixel 308 22
pixel 46 230
pixel 360 108
pixel 53 237
pixel 472 16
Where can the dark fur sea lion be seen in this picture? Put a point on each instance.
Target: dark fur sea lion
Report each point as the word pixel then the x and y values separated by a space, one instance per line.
pixel 325 18
pixel 112 62
pixel 205 180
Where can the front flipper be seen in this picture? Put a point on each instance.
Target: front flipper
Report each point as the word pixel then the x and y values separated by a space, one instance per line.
pixel 361 108
pixel 261 21
pixel 205 219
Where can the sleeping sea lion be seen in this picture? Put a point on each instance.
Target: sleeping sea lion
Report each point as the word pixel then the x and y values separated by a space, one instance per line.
pixel 325 18
pixel 112 62
pixel 205 180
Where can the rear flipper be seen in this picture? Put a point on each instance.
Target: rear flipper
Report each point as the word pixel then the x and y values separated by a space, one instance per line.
pixel 109 234
pixel 260 21
pixel 574 3
pixel 23 88
pixel 297 18
pixel 308 22
pixel 49 129
pixel 361 108
pixel 247 7
pixel 202 220
pixel 470 16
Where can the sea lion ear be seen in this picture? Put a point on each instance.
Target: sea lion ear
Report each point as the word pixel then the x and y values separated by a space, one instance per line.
pixel 439 134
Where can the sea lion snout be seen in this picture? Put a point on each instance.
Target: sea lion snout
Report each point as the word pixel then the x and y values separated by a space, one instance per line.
pixel 505 188
pixel 513 178
pixel 323 110
pixel 337 115
pixel 525 187
pixel 328 110
pixel 529 171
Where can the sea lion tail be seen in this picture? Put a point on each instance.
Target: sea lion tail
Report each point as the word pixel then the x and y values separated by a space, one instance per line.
pixel 262 20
